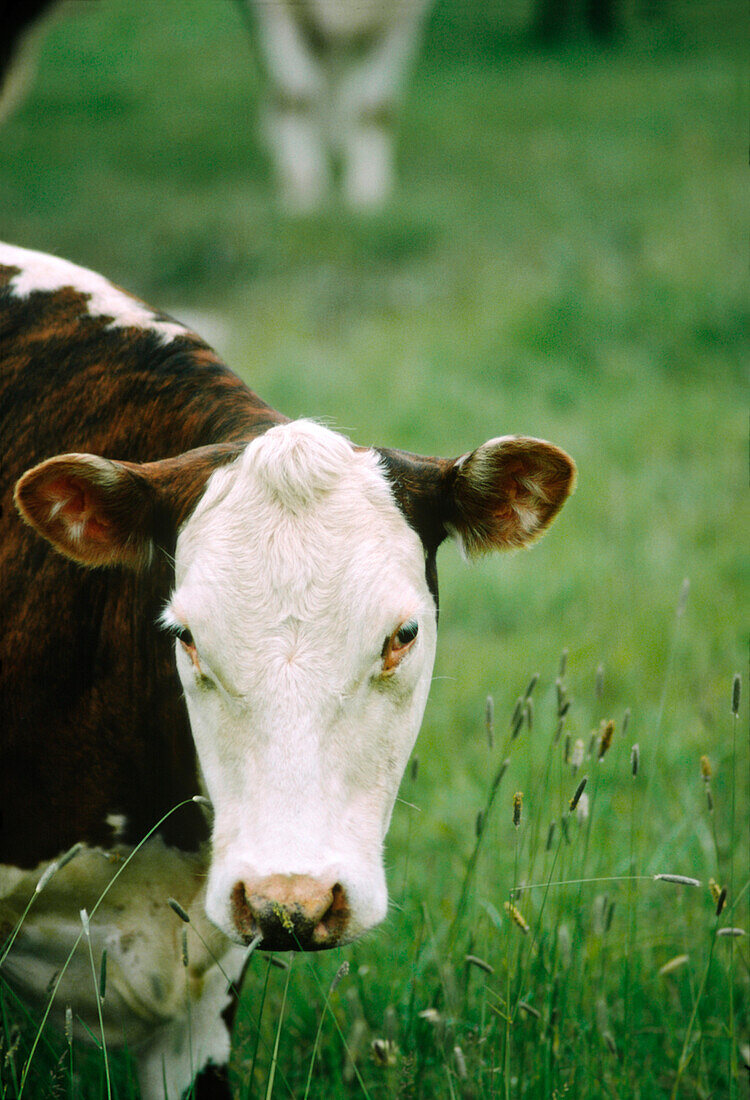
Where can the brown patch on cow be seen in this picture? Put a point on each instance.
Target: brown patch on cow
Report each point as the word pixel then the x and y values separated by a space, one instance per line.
pixel 505 495
pixel 502 495
pixel 91 707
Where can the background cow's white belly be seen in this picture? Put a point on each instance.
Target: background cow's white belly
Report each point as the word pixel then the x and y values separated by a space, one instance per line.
pixel 147 983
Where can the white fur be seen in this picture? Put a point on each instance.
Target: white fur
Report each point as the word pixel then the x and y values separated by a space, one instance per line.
pixel 291 573
pixel 41 272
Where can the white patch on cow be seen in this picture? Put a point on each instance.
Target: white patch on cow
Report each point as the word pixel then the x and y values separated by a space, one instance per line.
pixel 293 570
pixel 41 272
pixel 117 823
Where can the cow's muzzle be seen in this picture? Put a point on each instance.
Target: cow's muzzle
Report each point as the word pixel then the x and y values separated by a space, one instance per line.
pixel 290 912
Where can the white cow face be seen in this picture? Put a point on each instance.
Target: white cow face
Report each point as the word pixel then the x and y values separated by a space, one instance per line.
pixel 306 639
pixel 304 609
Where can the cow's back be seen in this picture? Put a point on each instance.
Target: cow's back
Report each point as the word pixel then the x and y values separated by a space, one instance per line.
pixel 94 728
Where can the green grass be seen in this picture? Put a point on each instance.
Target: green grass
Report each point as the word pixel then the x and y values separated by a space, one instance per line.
pixel 564 258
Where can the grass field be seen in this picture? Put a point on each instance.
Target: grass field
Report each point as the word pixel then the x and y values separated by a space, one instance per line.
pixel 565 258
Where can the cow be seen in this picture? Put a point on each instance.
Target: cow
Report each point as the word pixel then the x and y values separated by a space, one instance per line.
pixel 218 636
pixel 335 72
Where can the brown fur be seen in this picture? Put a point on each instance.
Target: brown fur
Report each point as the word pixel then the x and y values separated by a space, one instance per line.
pixel 90 706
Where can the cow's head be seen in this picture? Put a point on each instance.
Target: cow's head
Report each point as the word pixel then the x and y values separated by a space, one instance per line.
pixel 304 611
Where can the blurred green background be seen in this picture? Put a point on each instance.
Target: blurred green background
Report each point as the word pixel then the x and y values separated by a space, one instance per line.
pixel 565 257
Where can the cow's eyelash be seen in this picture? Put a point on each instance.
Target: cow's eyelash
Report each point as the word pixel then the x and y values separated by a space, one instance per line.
pixel 184 635
pixel 178 630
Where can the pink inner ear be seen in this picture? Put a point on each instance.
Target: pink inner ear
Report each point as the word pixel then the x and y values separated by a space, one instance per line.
pixel 73 504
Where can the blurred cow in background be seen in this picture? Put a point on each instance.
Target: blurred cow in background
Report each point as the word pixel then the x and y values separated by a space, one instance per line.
pixel 336 69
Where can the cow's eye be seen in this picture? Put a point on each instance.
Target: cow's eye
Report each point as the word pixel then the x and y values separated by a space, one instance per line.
pixel 184 636
pixel 407 633
pixel 399 643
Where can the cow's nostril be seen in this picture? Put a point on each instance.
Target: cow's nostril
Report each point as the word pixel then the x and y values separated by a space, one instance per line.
pixel 290 912
pixel 329 930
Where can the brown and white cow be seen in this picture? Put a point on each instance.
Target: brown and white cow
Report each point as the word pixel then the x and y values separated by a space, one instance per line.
pixel 200 596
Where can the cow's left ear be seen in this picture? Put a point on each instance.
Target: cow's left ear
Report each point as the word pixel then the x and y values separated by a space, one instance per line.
pixel 100 512
pixel 506 493
pixel 92 510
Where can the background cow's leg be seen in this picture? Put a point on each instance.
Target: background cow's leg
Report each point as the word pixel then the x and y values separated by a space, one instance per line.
pixel 294 116
pixel 194 1045
pixel 364 106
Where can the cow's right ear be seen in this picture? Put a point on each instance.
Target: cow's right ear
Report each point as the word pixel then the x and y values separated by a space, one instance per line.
pixel 92 510
pixel 99 512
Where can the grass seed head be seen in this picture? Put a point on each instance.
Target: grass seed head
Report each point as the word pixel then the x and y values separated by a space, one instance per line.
pixel 103 975
pixel 680 880
pixel 635 759
pixel 672 965
pixel 500 773
pixel 479 824
pixel 530 1010
pixel 714 889
pixel 474 960
pixel 85 923
pixel 577 755
pixel 517 806
pixel 558 731
pixel 550 836
pixel 431 1015
pixel 339 976
pixel 532 684
pixel 458 1054
pixel 528 713
pixel 721 901
pixel 706 770
pixel 414 768
pixel 69 1025
pixel 563 662
pixel 582 809
pixel 578 792
pixel 175 906
pixel 516 916
pixel 517 713
pixel 732 932
pixel 709 800
pixel 384 1052
pixel 625 721
pixel 566 748
pixel 736 689
pixel 600 681
pixel 184 951
pixel 605 740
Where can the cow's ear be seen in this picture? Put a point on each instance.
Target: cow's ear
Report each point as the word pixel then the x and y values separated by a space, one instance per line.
pixel 100 512
pixel 506 493
pixel 92 510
